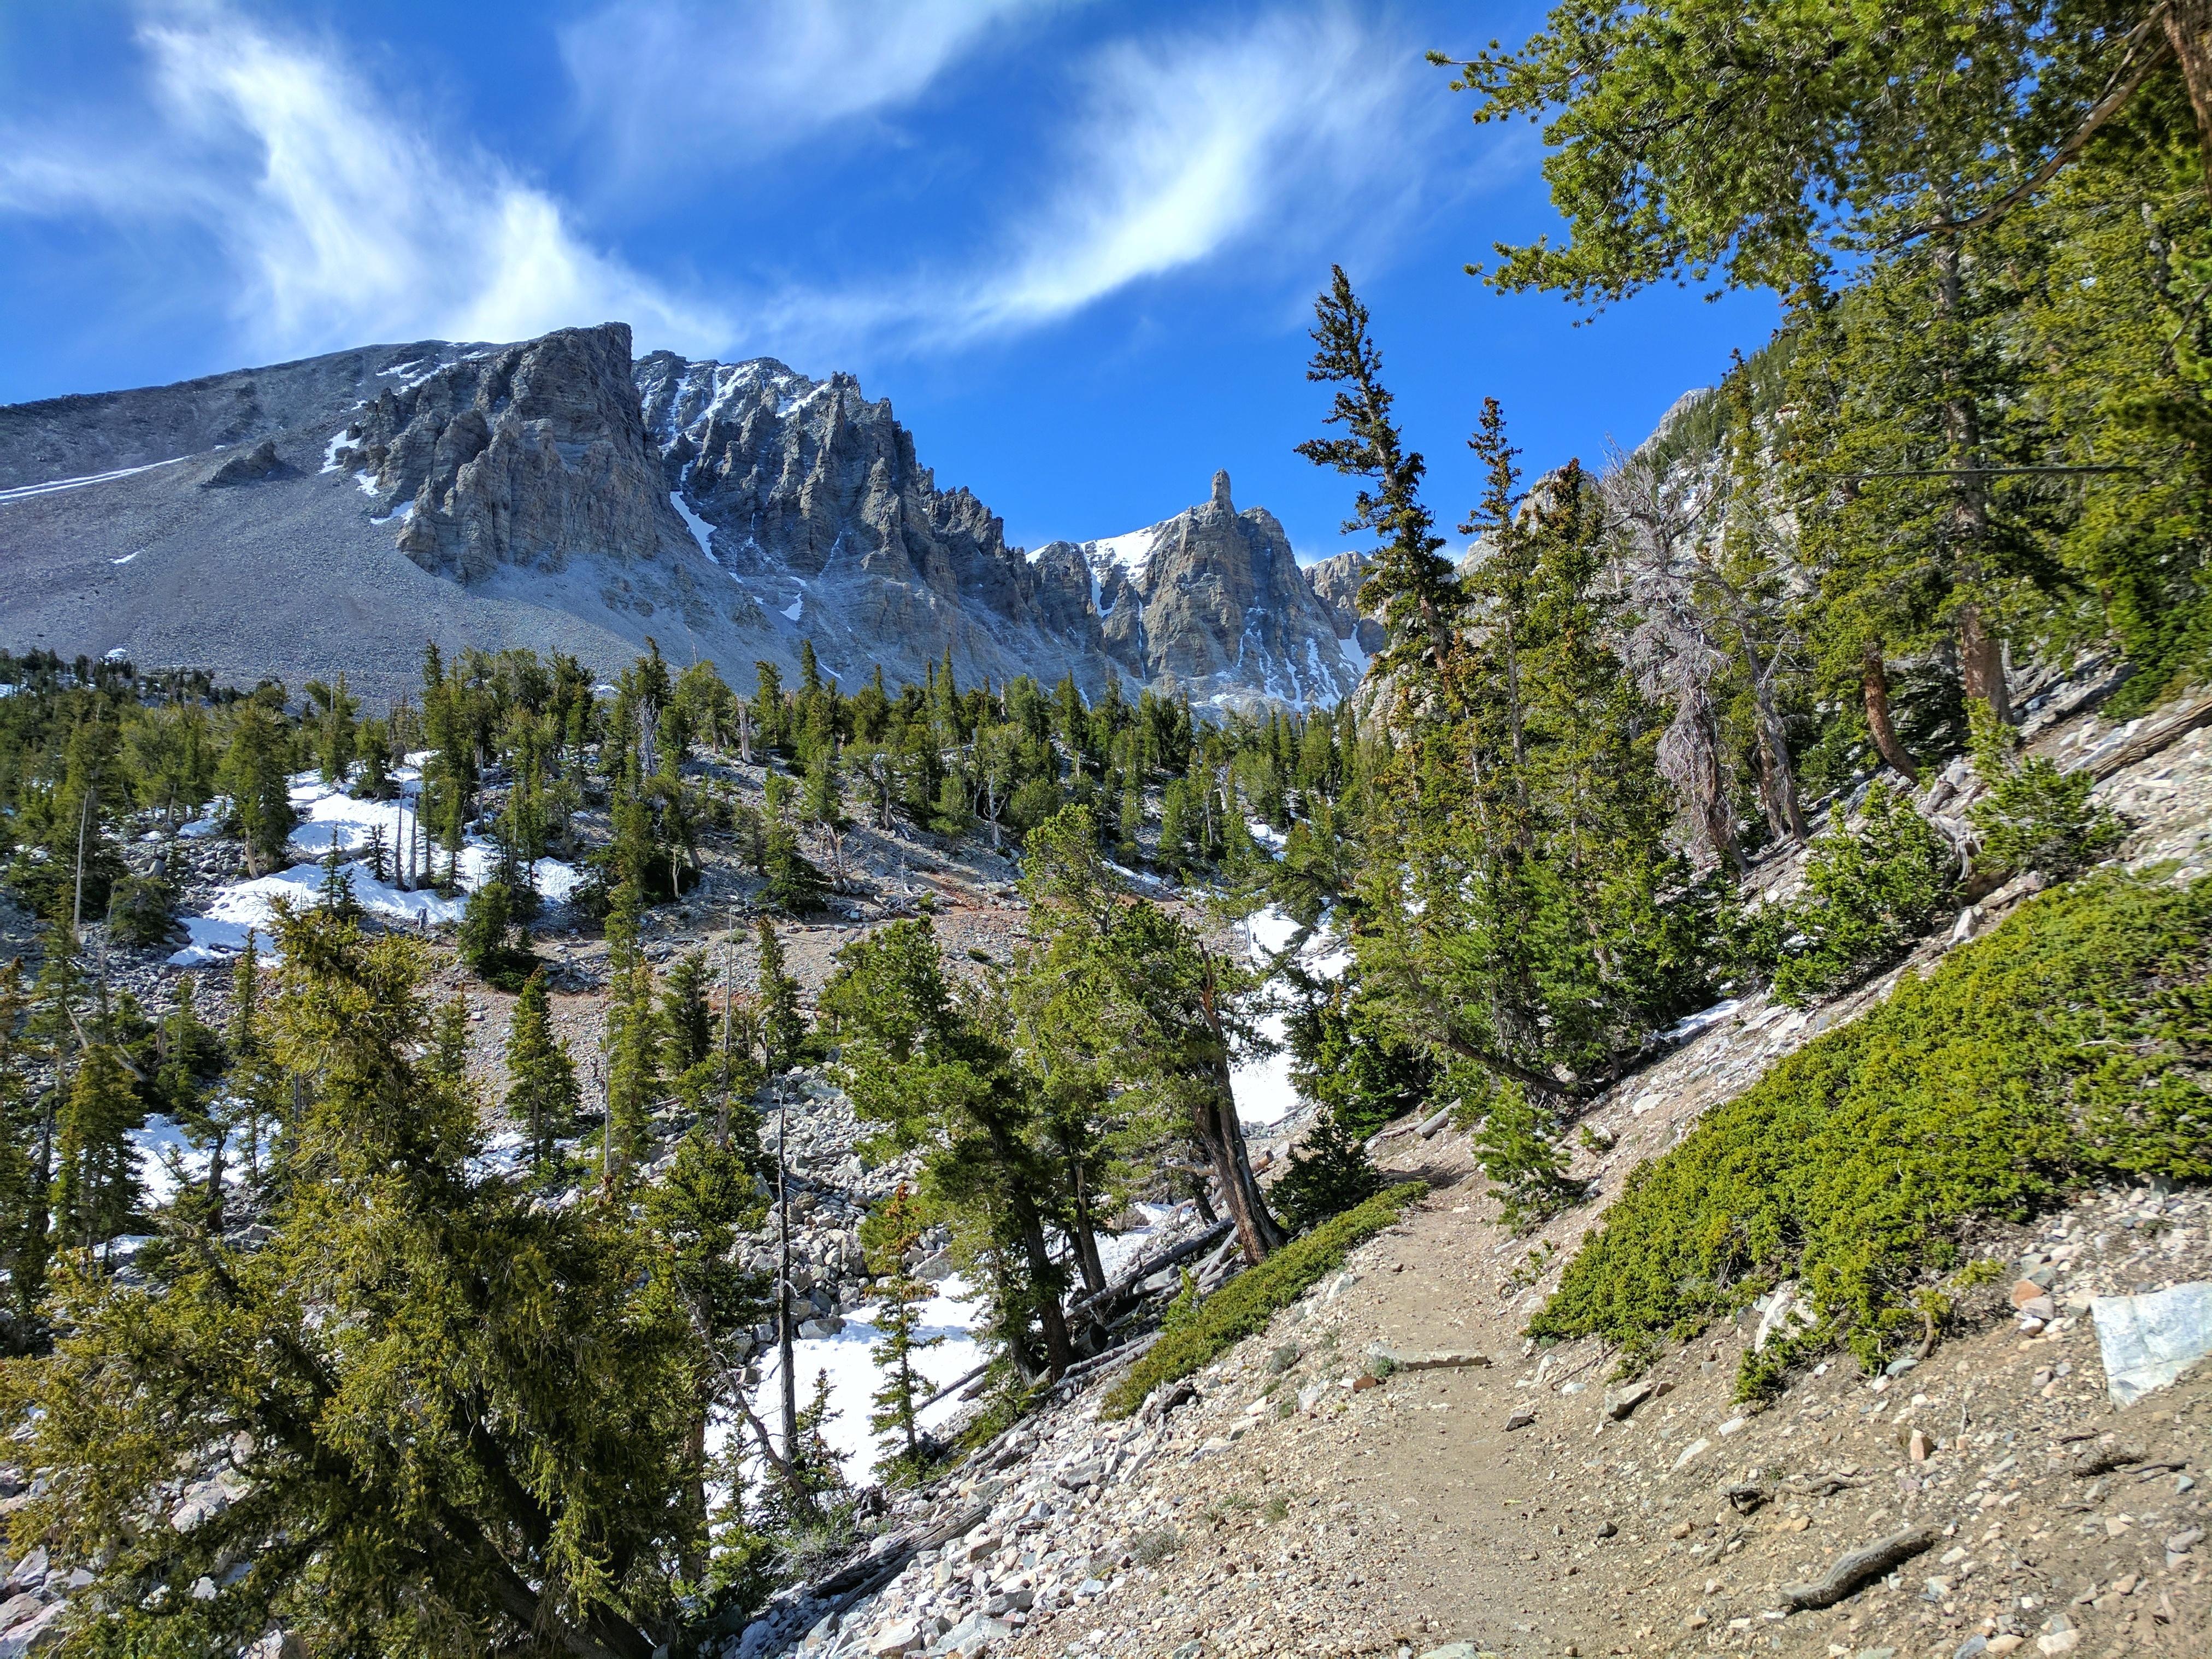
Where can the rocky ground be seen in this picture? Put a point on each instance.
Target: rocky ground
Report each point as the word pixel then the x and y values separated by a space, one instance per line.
pixel 1489 1496
pixel 1483 1495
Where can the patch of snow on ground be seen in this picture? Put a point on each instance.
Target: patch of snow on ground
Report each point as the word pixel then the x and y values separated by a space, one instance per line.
pixel 1265 1093
pixel 950 1313
pixel 126 558
pixel 1354 655
pixel 1683 1029
pixel 164 1155
pixel 53 486
pixel 702 532
pixel 329 818
pixel 1267 836
pixel 339 440
pixel 792 610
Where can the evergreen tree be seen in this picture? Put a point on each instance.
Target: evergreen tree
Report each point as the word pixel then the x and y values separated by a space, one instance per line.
pixel 335 892
pixel 633 1043
pixel 95 1164
pixel 899 1228
pixel 23 1205
pixel 1329 1173
pixel 921 1058
pixel 486 935
pixel 1169 1011
pixel 1415 590
pixel 795 884
pixel 687 1023
pixel 255 1079
pixel 541 1093
pixel 698 1212
pixel 510 1465
pixel 254 776
pixel 782 1027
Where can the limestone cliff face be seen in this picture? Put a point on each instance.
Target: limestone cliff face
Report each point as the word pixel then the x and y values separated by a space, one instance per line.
pixel 811 495
pixel 1213 602
pixel 1336 583
pixel 525 455
pixel 558 495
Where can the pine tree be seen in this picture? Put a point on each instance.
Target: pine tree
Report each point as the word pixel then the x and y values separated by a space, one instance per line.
pixel 23 1175
pixel 190 1061
pixel 782 1027
pixel 486 925
pixel 687 1024
pixel 699 1212
pixel 257 1081
pixel 633 1043
pixel 921 1057
pixel 253 774
pixel 795 884
pixel 899 1228
pixel 96 1174
pixel 513 1378
pixel 334 895
pixel 1415 590
pixel 541 1093
pixel 1329 1173
pixel 448 1059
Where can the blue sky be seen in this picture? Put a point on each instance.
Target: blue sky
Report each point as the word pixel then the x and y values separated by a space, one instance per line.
pixel 1076 245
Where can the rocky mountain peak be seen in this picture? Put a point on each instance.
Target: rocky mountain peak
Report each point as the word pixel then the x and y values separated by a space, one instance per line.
pixel 557 494
pixel 525 454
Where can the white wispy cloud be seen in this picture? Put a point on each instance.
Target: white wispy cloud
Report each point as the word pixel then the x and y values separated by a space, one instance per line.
pixel 689 87
pixel 337 215
pixel 337 218
pixel 1263 141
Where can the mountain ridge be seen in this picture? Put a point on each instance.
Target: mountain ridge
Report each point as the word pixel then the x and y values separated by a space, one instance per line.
pixel 561 493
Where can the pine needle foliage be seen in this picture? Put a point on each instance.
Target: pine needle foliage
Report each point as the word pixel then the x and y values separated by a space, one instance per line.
pixel 2070 1044
pixel 1876 885
pixel 452 1416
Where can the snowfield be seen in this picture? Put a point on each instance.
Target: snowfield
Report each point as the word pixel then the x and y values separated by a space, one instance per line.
pixel 1265 1094
pixel 329 818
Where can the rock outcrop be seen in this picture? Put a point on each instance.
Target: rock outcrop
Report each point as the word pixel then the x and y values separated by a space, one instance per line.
pixel 558 495
pixel 527 455
pixel 1212 603
pixel 1336 583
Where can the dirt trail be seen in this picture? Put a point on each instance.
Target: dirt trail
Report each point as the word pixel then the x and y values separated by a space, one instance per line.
pixel 1290 1510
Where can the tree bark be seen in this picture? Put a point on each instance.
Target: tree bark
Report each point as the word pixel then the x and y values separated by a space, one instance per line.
pixel 2188 29
pixel 1258 1234
pixel 1222 1134
pixel 1981 653
pixel 1086 1233
pixel 1873 683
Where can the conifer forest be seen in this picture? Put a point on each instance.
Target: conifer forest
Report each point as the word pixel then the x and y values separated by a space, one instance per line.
pixel 413 1219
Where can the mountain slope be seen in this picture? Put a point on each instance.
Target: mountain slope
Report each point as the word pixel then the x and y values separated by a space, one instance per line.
pixel 331 514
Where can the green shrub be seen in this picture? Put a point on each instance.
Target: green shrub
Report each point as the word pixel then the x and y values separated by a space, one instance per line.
pixel 141 910
pixel 1875 887
pixel 2034 816
pixel 1517 1143
pixel 2072 1041
pixel 1247 1302
pixel 1329 1174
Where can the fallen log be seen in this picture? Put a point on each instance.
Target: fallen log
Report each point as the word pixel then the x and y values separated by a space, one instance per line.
pixel 2152 738
pixel 1086 1306
pixel 1855 1567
